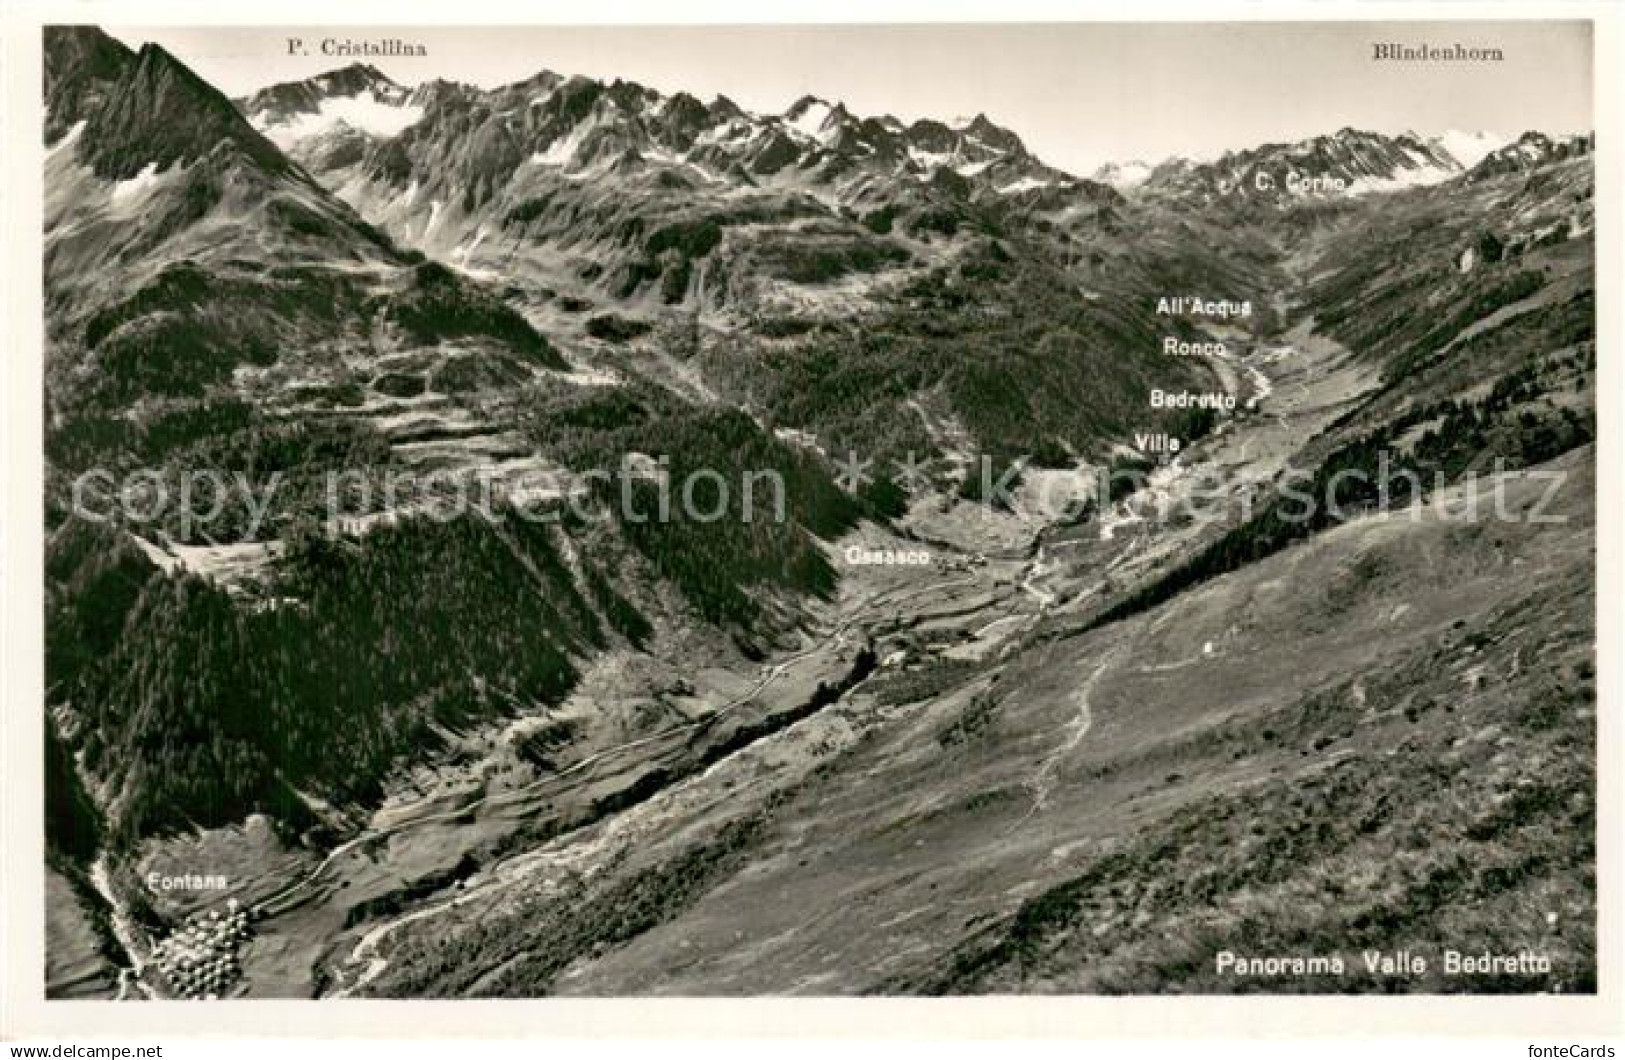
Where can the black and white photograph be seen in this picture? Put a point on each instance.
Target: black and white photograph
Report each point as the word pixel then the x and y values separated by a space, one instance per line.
pixel 862 510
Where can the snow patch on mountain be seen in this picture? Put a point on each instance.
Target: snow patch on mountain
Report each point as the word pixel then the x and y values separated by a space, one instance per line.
pixel 1424 174
pixel 562 150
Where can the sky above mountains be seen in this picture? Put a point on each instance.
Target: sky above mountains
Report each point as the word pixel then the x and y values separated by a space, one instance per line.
pixel 1078 94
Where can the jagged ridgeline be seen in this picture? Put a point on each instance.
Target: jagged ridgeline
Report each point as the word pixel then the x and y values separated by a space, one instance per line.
pixel 195 277
pixel 653 339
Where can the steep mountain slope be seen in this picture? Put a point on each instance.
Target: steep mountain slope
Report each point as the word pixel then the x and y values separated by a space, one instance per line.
pixel 357 96
pixel 1401 760
pixel 1468 148
pixel 1124 175
pixel 202 290
pixel 214 310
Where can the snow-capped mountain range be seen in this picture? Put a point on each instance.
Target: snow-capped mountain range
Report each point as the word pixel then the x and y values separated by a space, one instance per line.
pixel 583 128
